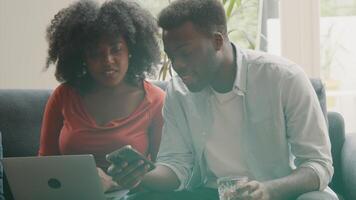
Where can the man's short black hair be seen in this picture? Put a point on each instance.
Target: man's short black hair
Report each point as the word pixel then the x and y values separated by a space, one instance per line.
pixel 207 15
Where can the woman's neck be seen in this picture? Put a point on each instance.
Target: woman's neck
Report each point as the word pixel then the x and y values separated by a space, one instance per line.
pixel 121 88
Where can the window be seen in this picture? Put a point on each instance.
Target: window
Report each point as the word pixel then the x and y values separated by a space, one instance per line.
pixel 338 60
pixel 271 27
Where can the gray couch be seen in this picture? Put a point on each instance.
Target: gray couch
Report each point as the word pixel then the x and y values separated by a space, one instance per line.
pixel 21 115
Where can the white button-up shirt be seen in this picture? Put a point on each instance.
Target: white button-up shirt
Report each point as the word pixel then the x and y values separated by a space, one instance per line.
pixel 283 126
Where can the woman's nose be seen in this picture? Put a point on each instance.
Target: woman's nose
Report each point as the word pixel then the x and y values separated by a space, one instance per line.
pixel 108 57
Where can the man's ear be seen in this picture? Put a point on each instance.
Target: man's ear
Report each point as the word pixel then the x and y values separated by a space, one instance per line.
pixel 218 40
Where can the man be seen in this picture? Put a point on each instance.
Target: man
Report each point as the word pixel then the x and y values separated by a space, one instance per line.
pixel 232 112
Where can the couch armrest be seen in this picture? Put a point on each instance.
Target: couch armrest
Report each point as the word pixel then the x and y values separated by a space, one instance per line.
pixel 348 159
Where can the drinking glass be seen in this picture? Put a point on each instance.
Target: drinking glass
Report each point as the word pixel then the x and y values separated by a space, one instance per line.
pixel 228 185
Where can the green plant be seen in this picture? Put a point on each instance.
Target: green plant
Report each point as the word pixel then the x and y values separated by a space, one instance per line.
pixel 166 68
pixel 244 19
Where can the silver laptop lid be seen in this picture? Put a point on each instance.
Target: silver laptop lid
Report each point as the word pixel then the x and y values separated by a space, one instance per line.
pixel 69 177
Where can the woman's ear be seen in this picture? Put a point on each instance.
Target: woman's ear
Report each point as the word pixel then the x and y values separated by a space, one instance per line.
pixel 218 40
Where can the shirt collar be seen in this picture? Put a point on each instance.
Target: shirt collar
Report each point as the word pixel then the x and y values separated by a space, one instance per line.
pixel 239 86
pixel 241 72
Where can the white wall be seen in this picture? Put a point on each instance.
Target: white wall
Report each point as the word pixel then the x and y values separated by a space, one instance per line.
pixel 22 42
pixel 23 47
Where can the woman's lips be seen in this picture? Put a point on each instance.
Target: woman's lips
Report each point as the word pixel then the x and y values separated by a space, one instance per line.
pixel 110 73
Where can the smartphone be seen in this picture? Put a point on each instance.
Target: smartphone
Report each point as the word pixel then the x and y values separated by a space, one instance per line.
pixel 129 154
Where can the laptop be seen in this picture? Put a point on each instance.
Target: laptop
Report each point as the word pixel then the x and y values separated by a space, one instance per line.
pixel 69 177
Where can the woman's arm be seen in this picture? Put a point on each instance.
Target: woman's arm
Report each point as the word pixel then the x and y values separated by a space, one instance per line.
pixel 52 124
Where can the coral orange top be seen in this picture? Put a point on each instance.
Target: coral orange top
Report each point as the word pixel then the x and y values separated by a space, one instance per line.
pixel 68 128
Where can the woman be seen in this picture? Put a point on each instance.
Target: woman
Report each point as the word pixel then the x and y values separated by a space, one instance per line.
pixel 102 54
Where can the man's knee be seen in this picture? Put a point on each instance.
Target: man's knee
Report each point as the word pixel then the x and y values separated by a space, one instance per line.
pixel 317 195
pixel 151 196
pixel 198 194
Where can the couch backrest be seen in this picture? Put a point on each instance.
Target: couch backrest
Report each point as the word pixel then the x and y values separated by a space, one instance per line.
pixel 20 120
pixel 21 117
pixel 320 92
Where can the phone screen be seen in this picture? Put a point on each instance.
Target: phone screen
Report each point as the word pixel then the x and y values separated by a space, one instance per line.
pixel 128 154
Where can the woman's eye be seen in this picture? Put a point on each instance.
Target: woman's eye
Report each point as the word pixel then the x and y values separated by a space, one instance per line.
pixel 93 54
pixel 116 49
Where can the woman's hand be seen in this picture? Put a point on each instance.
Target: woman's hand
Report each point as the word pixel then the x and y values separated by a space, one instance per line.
pixel 107 182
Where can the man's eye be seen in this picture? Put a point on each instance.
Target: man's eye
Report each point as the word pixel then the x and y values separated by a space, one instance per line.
pixel 186 55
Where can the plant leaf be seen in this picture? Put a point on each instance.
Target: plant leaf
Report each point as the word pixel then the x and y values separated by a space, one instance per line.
pixel 166 65
pixel 249 40
pixel 238 3
pixel 230 8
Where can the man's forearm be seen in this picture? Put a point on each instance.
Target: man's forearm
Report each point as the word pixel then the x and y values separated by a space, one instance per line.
pixel 162 178
pixel 300 181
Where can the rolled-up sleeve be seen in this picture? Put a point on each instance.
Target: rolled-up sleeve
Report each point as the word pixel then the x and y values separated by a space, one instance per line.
pixel 306 127
pixel 175 150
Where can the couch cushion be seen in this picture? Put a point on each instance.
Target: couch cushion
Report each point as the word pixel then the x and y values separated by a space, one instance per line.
pixel 348 157
pixel 337 139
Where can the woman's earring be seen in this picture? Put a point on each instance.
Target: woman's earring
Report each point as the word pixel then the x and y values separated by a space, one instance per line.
pixel 84 70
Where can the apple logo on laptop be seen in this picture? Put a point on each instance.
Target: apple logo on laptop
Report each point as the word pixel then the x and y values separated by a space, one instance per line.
pixel 54 183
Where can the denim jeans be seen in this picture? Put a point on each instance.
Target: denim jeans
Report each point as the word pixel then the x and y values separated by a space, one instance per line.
pixel 197 194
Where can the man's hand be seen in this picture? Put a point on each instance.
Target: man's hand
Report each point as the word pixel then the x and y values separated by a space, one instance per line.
pixel 107 182
pixel 252 190
pixel 128 175
pixel 301 180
